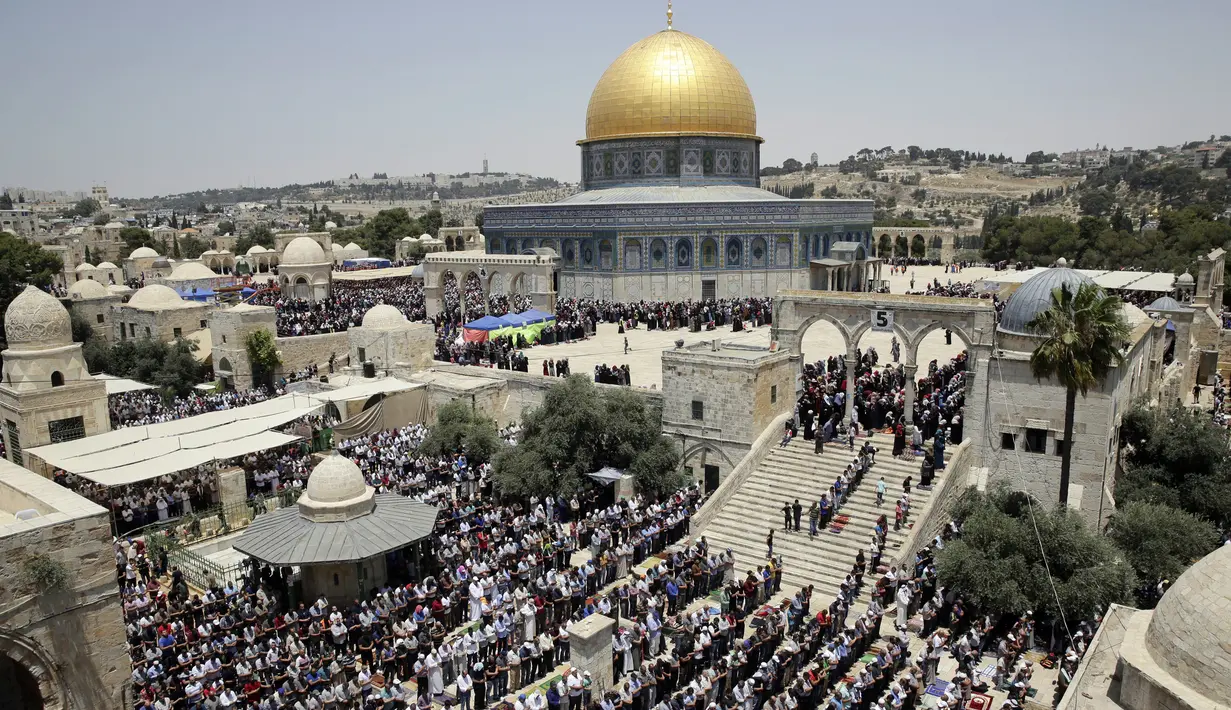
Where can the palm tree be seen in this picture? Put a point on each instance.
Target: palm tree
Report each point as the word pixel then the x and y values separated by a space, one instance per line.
pixel 1084 336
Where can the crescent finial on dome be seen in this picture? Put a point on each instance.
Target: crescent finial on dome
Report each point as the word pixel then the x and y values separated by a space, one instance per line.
pixel 669 14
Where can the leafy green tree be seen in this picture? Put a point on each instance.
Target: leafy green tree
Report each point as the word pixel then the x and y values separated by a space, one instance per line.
pixel 6 202
pixel 179 370
pixel 1176 456
pixel 82 330
pixel 264 357
pixel 23 263
pixel 134 238
pixel 101 219
pixel 580 429
pixel 381 234
pixel 191 246
pixel 226 226
pixel 432 222
pixel 83 208
pixel 1005 567
pixel 1083 334
pixel 172 367
pixel 1160 541
pixel 259 235
pixel 1096 203
pixel 478 218
pixel 458 428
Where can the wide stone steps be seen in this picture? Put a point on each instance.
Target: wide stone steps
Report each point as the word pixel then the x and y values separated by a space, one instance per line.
pixel 795 471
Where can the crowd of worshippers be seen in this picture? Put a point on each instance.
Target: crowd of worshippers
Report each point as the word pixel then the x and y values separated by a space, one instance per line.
pixel 142 407
pixel 791 660
pixel 502 353
pixel 612 375
pixel 503 573
pixel 668 315
pixel 192 491
pixel 499 304
pixel 391 462
pixel 345 306
pixel 826 509
pixel 1219 398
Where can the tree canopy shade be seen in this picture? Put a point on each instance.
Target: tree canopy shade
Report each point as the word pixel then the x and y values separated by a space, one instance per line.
pixel 263 355
pixel 1160 541
pixel 23 263
pixel 259 235
pixel 580 429
pixel 1176 457
pixel 135 238
pixel 172 367
pixel 999 564
pixel 381 234
pixel 1083 336
pixel 458 428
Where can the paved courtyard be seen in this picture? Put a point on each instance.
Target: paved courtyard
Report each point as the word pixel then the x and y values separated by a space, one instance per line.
pixel 820 341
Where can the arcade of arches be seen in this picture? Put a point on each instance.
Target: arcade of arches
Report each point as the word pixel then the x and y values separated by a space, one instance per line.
pixel 910 318
pixel 447 274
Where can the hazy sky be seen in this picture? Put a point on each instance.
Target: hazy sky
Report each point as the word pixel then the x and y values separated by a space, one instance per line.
pixel 163 97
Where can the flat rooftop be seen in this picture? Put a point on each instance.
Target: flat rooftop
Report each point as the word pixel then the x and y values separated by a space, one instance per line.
pixel 23 490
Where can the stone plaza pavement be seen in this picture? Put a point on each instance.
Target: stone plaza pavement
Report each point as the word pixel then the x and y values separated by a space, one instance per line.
pixel 822 339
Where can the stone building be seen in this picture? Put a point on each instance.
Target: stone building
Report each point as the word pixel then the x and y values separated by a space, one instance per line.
pixel 229 331
pixel 157 311
pixel 342 535
pixel 305 270
pixel 671 206
pixel 427 242
pixel 387 340
pixel 94 302
pixel 717 399
pixel 1173 657
pixel 1018 433
pixel 108 273
pixel 461 238
pixel 190 276
pixel 140 263
pixel 60 648
pixel 47 395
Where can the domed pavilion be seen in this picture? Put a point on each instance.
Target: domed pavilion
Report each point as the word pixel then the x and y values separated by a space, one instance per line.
pixel 1175 656
pixel 671 204
pixel 47 394
pixel 304 270
pixel 344 537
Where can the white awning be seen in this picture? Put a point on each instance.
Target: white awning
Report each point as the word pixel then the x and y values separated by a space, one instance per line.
pixel 1159 281
pixel 120 385
pixel 139 453
pixel 364 389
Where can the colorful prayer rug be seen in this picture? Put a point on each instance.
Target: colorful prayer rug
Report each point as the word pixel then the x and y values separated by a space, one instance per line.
pixel 980 701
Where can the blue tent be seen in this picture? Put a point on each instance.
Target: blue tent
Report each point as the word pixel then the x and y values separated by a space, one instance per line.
pixel 487 323
pixel 248 291
pixel 198 294
pixel 536 316
pixel 515 320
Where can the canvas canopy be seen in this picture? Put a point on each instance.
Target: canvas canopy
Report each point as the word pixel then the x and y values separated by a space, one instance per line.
pixel 536 316
pixel 135 454
pixel 607 475
pixel 487 323
pixel 120 385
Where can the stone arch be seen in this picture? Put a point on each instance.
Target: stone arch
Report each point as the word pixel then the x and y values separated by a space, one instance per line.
pixel 27 656
pixel 683 254
pixel 495 283
pixel 517 284
pixel 605 254
pixel 912 342
pixel 303 288
pixel 658 254
pixel 449 288
pixel 937 243
pixel 224 365
pixel 57 379
pixel 735 252
pixel 632 256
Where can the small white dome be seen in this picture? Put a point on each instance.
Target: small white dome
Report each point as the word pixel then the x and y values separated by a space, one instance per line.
pixel 383 317
pixel 115 225
pixel 84 268
pixel 107 265
pixel 35 320
pixel 155 296
pixel 335 480
pixel 336 247
pixel 256 249
pixel 331 225
pixel 86 289
pixel 209 252
pixel 425 235
pixel 1185 279
pixel 303 251
pixel 353 246
pixel 225 251
pixel 143 253
pixel 191 271
pixel 408 239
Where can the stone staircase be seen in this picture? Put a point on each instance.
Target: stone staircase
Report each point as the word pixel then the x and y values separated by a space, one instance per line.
pixel 796 472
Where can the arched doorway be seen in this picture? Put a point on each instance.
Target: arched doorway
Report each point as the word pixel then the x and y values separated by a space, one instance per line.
pixel 474 296
pixel 884 246
pixel 303 289
pixel 18 686
pixel 901 247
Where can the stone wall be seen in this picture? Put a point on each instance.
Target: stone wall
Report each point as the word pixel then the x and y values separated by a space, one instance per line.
pixel 303 350
pixel 98 313
pixel 158 324
pixel 738 392
pixel 32 412
pixel 411 346
pixel 732 481
pixel 72 640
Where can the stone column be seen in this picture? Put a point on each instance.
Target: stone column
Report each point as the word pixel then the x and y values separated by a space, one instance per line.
pixel 908 403
pixel 851 369
pixel 233 494
pixel 590 648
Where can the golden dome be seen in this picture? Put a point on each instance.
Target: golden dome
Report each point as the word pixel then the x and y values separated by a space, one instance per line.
pixel 671 83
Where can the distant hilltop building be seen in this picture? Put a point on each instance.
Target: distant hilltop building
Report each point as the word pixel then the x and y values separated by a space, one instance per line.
pixel 815 159
pixel 99 193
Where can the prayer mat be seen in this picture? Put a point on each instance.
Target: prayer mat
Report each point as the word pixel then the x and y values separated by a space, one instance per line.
pixel 839 524
pixel 938 688
pixel 867 659
pixel 988 671
pixel 980 701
